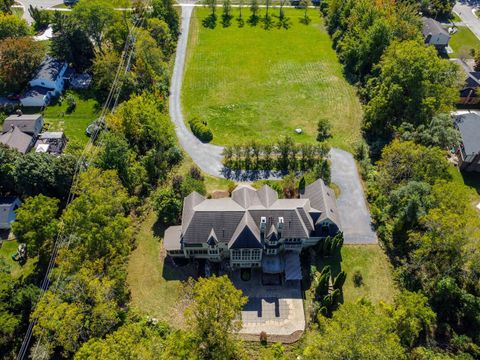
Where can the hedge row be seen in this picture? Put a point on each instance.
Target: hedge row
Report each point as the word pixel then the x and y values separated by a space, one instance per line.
pixel 201 130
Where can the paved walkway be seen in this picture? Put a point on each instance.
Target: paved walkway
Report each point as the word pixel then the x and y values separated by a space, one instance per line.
pixel 354 215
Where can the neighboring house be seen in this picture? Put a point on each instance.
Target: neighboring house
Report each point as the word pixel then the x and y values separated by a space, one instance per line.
pixel 29 124
pixel 17 139
pixel 8 205
pixel 48 82
pixel 254 228
pixel 469 92
pixel 51 143
pixel 434 34
pixel 468 152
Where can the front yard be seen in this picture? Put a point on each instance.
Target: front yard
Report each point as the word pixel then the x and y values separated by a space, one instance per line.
pixel 249 83
pixel 462 43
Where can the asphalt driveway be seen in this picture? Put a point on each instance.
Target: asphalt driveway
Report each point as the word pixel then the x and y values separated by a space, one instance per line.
pixel 354 215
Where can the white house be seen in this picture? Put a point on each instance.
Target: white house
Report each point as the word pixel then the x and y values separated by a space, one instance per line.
pixel 8 205
pixel 48 82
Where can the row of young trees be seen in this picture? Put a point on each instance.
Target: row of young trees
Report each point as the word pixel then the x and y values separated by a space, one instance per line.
pixel 285 155
pixel 268 20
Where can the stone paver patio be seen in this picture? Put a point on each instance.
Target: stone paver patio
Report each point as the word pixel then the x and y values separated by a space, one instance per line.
pixel 276 310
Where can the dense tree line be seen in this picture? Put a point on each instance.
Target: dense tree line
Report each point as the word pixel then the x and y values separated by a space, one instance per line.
pixel 402 82
pixel 430 229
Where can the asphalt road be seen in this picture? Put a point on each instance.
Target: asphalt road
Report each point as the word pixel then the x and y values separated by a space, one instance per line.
pixel 464 9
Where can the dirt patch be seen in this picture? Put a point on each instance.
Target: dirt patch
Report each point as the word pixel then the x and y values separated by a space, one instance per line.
pixel 285 339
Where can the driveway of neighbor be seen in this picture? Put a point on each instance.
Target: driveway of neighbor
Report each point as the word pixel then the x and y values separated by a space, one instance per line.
pixel 354 215
pixel 42 4
pixel 276 310
pixel 464 10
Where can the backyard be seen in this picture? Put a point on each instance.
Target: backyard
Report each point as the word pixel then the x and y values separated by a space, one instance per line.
pixel 74 124
pixel 249 83
pixel 373 265
pixel 7 249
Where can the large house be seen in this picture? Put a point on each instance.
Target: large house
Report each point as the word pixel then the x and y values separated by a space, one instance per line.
pixel 254 228
pixel 48 82
pixel 468 152
pixel 434 34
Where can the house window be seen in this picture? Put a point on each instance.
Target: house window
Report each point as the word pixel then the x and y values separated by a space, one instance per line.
pixel 236 254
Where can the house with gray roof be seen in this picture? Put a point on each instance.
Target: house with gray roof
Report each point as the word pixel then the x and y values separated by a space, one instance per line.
pixel 8 205
pixel 29 124
pixel 254 228
pixel 17 139
pixel 434 34
pixel 468 151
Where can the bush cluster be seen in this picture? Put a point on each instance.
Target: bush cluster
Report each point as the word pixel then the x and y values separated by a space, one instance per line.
pixel 201 130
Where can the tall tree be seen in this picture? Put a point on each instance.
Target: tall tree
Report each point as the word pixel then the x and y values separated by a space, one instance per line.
pixel 13 26
pixel 413 84
pixel 36 225
pixel 356 331
pixel 213 317
pixel 20 58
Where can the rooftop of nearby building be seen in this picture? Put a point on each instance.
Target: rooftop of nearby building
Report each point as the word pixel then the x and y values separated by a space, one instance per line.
pixel 16 139
pixel 432 27
pixel 26 123
pixel 469 127
pixel 50 69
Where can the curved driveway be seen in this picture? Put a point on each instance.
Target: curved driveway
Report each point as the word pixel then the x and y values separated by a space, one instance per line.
pixel 354 215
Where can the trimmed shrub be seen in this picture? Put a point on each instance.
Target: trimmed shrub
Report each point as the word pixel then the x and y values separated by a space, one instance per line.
pixel 201 130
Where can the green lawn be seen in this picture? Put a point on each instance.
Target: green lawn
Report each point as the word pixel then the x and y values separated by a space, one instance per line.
pixel 73 124
pixel 462 42
pixel 7 249
pixel 155 289
pixel 375 268
pixel 249 83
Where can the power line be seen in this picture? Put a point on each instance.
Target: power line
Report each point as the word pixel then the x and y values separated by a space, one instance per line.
pixel 88 151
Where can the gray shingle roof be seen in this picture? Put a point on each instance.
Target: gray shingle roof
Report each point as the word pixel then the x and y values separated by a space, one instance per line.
pixel 7 204
pixel 236 221
pixel 171 238
pixel 432 27
pixel 26 123
pixel 16 139
pixel 469 127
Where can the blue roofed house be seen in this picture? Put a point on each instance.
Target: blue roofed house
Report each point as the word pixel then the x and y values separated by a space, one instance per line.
pixel 48 82
pixel 468 151
pixel 8 205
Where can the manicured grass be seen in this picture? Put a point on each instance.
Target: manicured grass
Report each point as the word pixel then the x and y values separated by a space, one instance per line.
pixel 255 84
pixel 7 249
pixel 375 268
pixel 73 124
pixel 155 289
pixel 462 42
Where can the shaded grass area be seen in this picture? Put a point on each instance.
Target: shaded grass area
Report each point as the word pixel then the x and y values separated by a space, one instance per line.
pixel 373 265
pixel 254 84
pixel 156 289
pixel 7 249
pixel 75 123
pixel 462 42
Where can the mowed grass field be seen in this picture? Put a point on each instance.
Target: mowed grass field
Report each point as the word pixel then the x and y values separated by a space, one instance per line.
pixel 254 84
